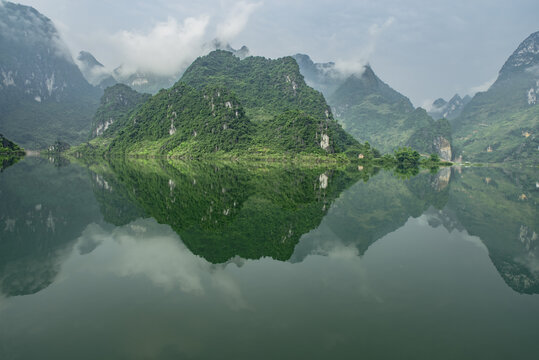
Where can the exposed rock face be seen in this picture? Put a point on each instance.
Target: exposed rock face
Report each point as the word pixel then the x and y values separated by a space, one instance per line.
pixel 324 144
pixel 443 148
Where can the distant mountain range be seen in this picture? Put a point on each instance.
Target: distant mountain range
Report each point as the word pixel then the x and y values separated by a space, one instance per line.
pixel 372 111
pixel 448 109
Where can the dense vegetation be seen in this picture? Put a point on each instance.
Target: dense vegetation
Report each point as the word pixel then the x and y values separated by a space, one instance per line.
pixel 502 123
pixel 372 111
pixel 226 107
pixel 117 103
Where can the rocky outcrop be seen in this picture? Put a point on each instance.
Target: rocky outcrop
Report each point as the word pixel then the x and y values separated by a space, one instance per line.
pixel 443 148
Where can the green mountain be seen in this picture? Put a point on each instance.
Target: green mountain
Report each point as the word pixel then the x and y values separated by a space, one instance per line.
pixel 372 111
pixel 43 95
pixel 116 104
pixel 223 104
pixel 502 123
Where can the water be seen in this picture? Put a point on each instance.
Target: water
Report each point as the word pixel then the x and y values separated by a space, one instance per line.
pixel 150 260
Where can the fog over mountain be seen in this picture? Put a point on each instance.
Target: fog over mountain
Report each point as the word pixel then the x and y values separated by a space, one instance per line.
pixel 426 50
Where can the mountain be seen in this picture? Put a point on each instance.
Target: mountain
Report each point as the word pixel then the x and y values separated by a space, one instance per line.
pixel 372 111
pixel 223 104
pixel 149 82
pixel 448 109
pixel 320 76
pixel 502 123
pixel 94 71
pixel 116 104
pixel 144 81
pixel 43 94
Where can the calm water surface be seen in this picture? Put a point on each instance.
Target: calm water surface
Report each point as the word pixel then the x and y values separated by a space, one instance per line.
pixel 150 260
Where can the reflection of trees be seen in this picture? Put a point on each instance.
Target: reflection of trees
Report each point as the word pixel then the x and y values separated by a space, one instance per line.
pixel 223 210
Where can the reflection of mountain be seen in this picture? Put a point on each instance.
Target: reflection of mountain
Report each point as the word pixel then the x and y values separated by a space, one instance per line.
pixel 226 210
pixel 368 211
pixel 500 207
pixel 43 209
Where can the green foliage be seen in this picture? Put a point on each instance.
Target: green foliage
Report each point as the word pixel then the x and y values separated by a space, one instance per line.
pixel 499 124
pixel 210 111
pixel 372 111
pixel 407 157
pixel 116 105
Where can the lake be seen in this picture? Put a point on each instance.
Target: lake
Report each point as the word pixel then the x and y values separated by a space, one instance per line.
pixel 144 259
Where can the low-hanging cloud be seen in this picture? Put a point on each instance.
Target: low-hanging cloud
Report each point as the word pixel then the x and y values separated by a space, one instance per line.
pixel 480 88
pixel 166 49
pixel 170 46
pixel 357 66
pixel 236 20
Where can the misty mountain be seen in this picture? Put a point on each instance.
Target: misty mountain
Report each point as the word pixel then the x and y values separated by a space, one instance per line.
pixel 501 124
pixel 372 111
pixel 321 76
pixel 149 82
pixel 94 71
pixel 448 109
pixel 223 104
pixel 43 94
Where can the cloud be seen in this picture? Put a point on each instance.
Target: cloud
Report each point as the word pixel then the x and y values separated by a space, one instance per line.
pixel 480 88
pixel 236 20
pixel 153 251
pixel 357 66
pixel 376 29
pixel 165 50
pixel 349 67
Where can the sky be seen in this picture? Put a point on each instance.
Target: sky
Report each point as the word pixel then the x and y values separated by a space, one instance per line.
pixel 424 49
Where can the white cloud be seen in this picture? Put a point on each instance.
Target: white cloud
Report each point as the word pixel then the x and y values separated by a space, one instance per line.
pixel 166 49
pixel 480 88
pixel 236 20
pixel 357 65
pixel 349 67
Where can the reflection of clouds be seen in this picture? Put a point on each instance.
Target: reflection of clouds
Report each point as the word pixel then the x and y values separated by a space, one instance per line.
pixel 145 248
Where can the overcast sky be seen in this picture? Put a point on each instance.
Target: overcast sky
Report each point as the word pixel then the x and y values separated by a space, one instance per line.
pixel 424 49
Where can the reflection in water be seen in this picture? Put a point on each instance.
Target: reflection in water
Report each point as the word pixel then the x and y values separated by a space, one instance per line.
pixel 144 260
pixel 224 210
pixel 145 248
pixel 42 210
pixel 227 212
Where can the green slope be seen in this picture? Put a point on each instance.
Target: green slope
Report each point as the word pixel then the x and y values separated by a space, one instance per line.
pixel 502 123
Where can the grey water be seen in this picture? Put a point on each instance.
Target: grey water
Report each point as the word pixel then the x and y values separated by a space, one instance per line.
pixel 158 260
